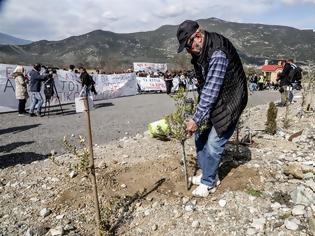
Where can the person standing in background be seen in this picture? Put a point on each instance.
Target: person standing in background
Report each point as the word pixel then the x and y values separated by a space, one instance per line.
pixel 35 87
pixel 21 93
pixel 168 82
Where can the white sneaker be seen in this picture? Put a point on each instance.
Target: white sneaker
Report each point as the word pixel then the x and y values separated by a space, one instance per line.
pixel 196 180
pixel 218 182
pixel 203 191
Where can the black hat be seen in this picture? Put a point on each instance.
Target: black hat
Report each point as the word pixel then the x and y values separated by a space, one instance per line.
pixel 37 66
pixel 185 30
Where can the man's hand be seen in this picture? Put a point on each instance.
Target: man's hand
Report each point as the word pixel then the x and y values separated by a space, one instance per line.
pixel 191 127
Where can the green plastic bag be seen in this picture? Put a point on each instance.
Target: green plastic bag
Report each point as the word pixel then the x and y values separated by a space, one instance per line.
pixel 159 129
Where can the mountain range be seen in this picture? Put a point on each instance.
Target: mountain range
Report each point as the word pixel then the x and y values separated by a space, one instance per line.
pixel 8 39
pixel 114 51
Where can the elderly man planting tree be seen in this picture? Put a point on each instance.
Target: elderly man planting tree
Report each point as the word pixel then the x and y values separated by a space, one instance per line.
pixel 222 92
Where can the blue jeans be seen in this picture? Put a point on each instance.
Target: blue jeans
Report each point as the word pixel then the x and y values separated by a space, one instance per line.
pixel 37 99
pixel 290 95
pixel 252 87
pixel 210 147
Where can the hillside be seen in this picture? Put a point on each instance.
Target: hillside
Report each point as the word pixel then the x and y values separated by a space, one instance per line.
pixel 112 51
pixel 8 39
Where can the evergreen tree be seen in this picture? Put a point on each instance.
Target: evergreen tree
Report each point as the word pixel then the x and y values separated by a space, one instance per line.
pixel 271 124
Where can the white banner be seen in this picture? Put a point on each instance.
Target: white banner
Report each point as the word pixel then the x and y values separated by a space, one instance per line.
pixel 147 84
pixel 149 67
pixel 68 87
pixel 116 85
pixel 188 83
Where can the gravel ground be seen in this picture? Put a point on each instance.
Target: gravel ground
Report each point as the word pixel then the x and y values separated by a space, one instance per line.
pixel 270 190
pixel 27 139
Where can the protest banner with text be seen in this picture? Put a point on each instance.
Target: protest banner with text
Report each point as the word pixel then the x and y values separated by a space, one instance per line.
pixel 68 86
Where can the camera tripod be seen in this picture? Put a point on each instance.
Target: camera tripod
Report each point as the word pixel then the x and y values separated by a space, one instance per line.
pixel 48 97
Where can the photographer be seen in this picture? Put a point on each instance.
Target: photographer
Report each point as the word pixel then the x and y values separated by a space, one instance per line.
pixel 49 84
pixel 35 86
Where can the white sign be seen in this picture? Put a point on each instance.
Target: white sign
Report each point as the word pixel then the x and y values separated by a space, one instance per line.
pixel 68 86
pixel 147 84
pixel 149 67
pixel 116 85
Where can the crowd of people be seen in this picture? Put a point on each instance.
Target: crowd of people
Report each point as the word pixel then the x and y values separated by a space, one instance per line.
pixel 260 82
pixel 30 86
pixel 34 81
pixel 285 83
pixel 185 78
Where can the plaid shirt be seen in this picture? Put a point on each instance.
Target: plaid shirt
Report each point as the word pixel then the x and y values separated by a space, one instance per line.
pixel 210 91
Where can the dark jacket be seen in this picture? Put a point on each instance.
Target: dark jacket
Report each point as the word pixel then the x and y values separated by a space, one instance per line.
pixel 36 80
pixel 233 94
pixel 86 79
pixel 284 75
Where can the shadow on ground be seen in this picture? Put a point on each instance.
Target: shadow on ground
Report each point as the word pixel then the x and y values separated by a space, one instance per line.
pixel 67 112
pixel 56 111
pixel 104 104
pixel 13 159
pixel 18 129
pixel 232 160
pixel 10 147
pixel 121 217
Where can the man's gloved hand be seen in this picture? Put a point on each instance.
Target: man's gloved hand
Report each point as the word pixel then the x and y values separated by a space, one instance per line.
pixel 191 127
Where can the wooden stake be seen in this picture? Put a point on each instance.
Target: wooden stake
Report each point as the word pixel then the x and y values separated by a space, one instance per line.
pixel 91 166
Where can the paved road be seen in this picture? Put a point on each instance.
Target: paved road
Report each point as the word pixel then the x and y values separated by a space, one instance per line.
pixel 112 119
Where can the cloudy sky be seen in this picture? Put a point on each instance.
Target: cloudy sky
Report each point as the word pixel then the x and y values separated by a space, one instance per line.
pixel 59 19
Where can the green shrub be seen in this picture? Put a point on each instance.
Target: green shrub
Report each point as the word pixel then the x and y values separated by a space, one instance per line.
pixel 271 124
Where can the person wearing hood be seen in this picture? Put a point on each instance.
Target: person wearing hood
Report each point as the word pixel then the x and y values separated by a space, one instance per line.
pixel 21 93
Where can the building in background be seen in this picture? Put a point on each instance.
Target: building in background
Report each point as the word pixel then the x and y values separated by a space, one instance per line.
pixel 270 71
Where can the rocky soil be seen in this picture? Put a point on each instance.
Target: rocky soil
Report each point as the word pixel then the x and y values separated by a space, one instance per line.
pixel 268 188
